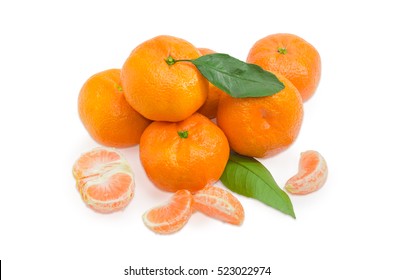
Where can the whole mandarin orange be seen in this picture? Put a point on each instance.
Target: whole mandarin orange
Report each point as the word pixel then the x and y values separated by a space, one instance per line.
pixel 189 154
pixel 158 89
pixel 291 56
pixel 106 114
pixel 262 126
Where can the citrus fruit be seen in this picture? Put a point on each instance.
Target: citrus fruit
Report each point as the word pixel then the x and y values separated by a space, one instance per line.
pixel 220 204
pixel 262 126
pixel 104 179
pixel 161 91
pixel 106 114
pixel 171 216
pixel 311 176
pixel 209 108
pixel 185 155
pixel 291 56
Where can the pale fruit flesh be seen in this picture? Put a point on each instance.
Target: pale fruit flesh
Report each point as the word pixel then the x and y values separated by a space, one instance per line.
pixel 104 179
pixel 312 174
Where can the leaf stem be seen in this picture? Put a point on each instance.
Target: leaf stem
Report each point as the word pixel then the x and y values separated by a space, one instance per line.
pixel 170 60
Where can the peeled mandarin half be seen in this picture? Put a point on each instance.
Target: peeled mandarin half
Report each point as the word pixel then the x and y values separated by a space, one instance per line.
pixel 311 176
pixel 104 179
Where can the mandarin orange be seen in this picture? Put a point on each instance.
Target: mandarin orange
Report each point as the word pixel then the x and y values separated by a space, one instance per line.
pixel 262 126
pixel 161 91
pixel 106 114
pixel 185 155
pixel 291 56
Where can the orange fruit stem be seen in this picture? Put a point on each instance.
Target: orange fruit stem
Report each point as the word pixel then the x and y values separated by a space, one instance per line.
pixel 282 50
pixel 183 134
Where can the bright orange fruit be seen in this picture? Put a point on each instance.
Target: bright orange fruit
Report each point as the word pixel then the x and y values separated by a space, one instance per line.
pixel 106 114
pixel 104 179
pixel 172 216
pixel 209 108
pixel 185 155
pixel 220 204
pixel 311 176
pixel 291 56
pixel 262 126
pixel 158 90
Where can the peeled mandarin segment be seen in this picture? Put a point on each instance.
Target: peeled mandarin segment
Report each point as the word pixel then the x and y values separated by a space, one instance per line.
pixel 108 194
pixel 311 176
pixel 89 163
pixel 172 216
pixel 104 180
pixel 220 204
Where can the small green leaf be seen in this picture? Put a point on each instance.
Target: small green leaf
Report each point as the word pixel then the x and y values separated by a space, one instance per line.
pixel 248 177
pixel 237 78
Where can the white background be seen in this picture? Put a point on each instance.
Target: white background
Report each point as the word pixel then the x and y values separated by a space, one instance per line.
pixel 49 48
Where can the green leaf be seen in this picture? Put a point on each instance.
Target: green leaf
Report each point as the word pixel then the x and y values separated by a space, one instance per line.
pixel 237 78
pixel 248 177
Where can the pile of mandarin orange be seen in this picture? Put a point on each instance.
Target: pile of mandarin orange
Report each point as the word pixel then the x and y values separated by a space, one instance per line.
pixel 185 126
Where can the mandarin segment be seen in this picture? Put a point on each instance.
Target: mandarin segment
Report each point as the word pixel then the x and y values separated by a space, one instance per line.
pixel 160 91
pixel 291 56
pixel 262 126
pixel 311 176
pixel 104 179
pixel 88 164
pixel 106 114
pixel 171 216
pixel 220 204
pixel 185 155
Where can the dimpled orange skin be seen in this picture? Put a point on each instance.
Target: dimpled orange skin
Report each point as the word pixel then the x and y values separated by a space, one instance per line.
pixel 209 108
pixel 106 114
pixel 262 126
pixel 173 162
pixel 300 62
pixel 159 91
